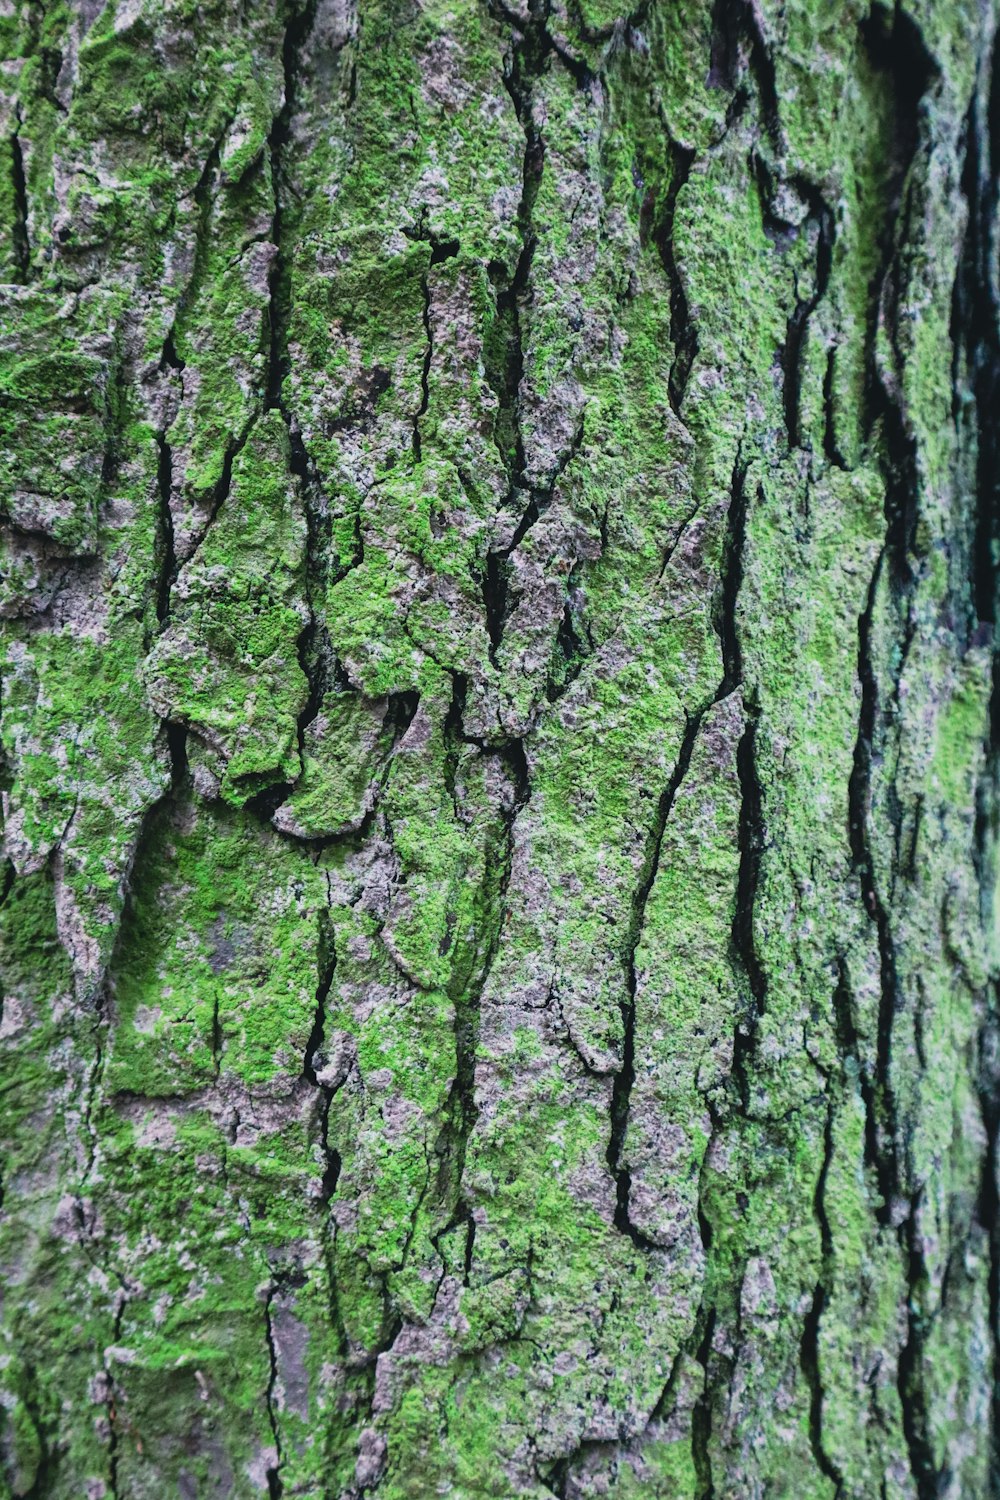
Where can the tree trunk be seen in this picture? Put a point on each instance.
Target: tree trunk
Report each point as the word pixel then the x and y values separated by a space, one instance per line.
pixel 499 581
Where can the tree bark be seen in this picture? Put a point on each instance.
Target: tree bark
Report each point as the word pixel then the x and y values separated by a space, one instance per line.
pixel 499 582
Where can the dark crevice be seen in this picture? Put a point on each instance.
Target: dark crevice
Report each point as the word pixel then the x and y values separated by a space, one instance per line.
pixel 557 1478
pixel 275 1488
pixel 169 358
pixel 472 963
pixel 314 1054
pixel 168 554
pixel 630 1438
pixel 905 70
pixel 19 225
pixel 818 224
pixel 902 488
pixel 360 414
pixel 495 600
pixel 621 1091
pixel 675 541
pixel 809 1346
pixel 441 250
pixel 859 798
pixel 177 751
pixel 316 657
pixel 203 199
pixel 503 347
pixel 819 214
pixel 744 945
pixel 217 1038
pixel 279 282
pixel 264 802
pixel 539 11
pixel 683 333
pixel 470 1248
pixel 701 1417
pixel 114 413
pixel 751 821
pixel 895 50
pixel 313 646
pixel 504 356
pixel 739 48
pixel 425 368
pixel 975 332
pixel 530 515
pixel 401 711
pixel 220 495
pixel 572 651
pixel 890 1161
pixel 454 731
pixel 732 579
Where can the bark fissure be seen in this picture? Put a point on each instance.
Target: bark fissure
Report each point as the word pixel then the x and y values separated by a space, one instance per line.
pixel 279 280
pixel 683 331
pixel 859 792
pixel 751 835
pixel 19 186
pixel 809 1350
pixel 168 563
pixel 624 1078
pixel 821 215
pixel 312 647
pixel 530 48
pixel 976 333
pixel 738 47
pixel 315 1052
pixel 701 1418
pixel 469 980
pixel 744 942
pixel 901 559
pixel 275 1487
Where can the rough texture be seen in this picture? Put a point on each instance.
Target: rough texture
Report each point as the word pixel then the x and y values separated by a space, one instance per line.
pixel 498 584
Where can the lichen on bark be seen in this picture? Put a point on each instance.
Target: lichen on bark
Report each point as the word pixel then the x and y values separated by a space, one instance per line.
pixel 498 568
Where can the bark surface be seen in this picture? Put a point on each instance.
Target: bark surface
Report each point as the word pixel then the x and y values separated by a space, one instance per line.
pixel 498 577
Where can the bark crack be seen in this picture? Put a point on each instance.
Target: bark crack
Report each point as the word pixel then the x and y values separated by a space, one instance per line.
pixel 820 215
pixel 751 820
pixel 683 331
pixel 314 1053
pixel 19 186
pixel 469 978
pixel 529 49
pixel 624 1078
pixel 275 1488
pixel 809 1357
pixel 740 47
